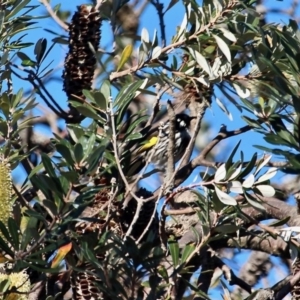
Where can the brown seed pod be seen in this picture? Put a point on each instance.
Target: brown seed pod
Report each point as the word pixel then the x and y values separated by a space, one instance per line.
pixel 80 62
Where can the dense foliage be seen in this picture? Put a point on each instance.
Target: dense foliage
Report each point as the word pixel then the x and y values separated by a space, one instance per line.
pixel 86 222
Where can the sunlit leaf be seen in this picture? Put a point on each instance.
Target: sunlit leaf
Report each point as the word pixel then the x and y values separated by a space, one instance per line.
pixel 220 173
pixel 249 181
pixel 266 190
pixel 268 175
pixel 225 198
pixel 223 47
pixel 235 187
pixel 126 54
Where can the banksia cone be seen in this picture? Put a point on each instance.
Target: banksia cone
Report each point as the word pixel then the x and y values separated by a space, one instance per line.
pixel 20 283
pixel 84 285
pixel 144 217
pixel 6 204
pixel 84 38
pixel 93 211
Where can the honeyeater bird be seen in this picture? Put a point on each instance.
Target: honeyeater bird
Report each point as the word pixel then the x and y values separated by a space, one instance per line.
pixel 156 145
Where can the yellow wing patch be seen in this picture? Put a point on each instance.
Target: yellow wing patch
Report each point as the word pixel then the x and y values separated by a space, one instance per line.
pixel 149 144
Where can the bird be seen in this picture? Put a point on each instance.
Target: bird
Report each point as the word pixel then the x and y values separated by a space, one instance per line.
pixel 155 146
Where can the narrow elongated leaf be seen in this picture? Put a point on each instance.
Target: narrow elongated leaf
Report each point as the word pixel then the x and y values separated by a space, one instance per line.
pixel 156 52
pixel 174 251
pixel 17 8
pixel 186 252
pixel 220 173
pixel 171 4
pixel 201 61
pixel 268 175
pixel 236 173
pixel 250 166
pixel 105 89
pixel 241 91
pixel 48 165
pixel 264 162
pixel 145 35
pixel 39 49
pixel 126 54
pixel 249 181
pixel 100 100
pixel 228 34
pixel 225 198
pixel 78 153
pixel 224 108
pixel 14 232
pixel 266 190
pixel 65 153
pixel 235 187
pixel 223 47
pixel 230 159
pixel 254 202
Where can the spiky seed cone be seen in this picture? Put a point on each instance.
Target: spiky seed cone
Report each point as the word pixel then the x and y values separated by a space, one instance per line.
pixel 80 62
pixel 6 204
pixel 93 211
pixel 84 285
pixel 20 283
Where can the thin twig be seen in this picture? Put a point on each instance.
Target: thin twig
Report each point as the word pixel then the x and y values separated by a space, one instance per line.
pixel 31 77
pixel 152 217
pixel 159 8
pixel 54 16
pixel 169 174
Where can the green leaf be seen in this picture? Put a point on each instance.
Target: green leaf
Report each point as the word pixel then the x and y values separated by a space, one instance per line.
pixel 86 110
pixel 3 243
pixel 65 153
pixel 174 251
pixel 17 98
pixel 29 232
pixel 78 153
pixel 124 98
pixel 26 61
pixel 35 170
pixel 105 89
pixel 171 4
pixel 223 47
pixel 201 61
pixel 250 166
pixel 133 136
pixel 48 165
pixel 21 4
pixel 88 95
pixel 39 49
pixel 4 285
pixel 186 252
pixel 126 54
pixel 100 100
pixel 14 232
pixel 227 228
pixel 89 145
pixel 279 223
pixel 4 231
pixel 230 159
pixel 224 197
pixel 254 202
pixel 156 52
